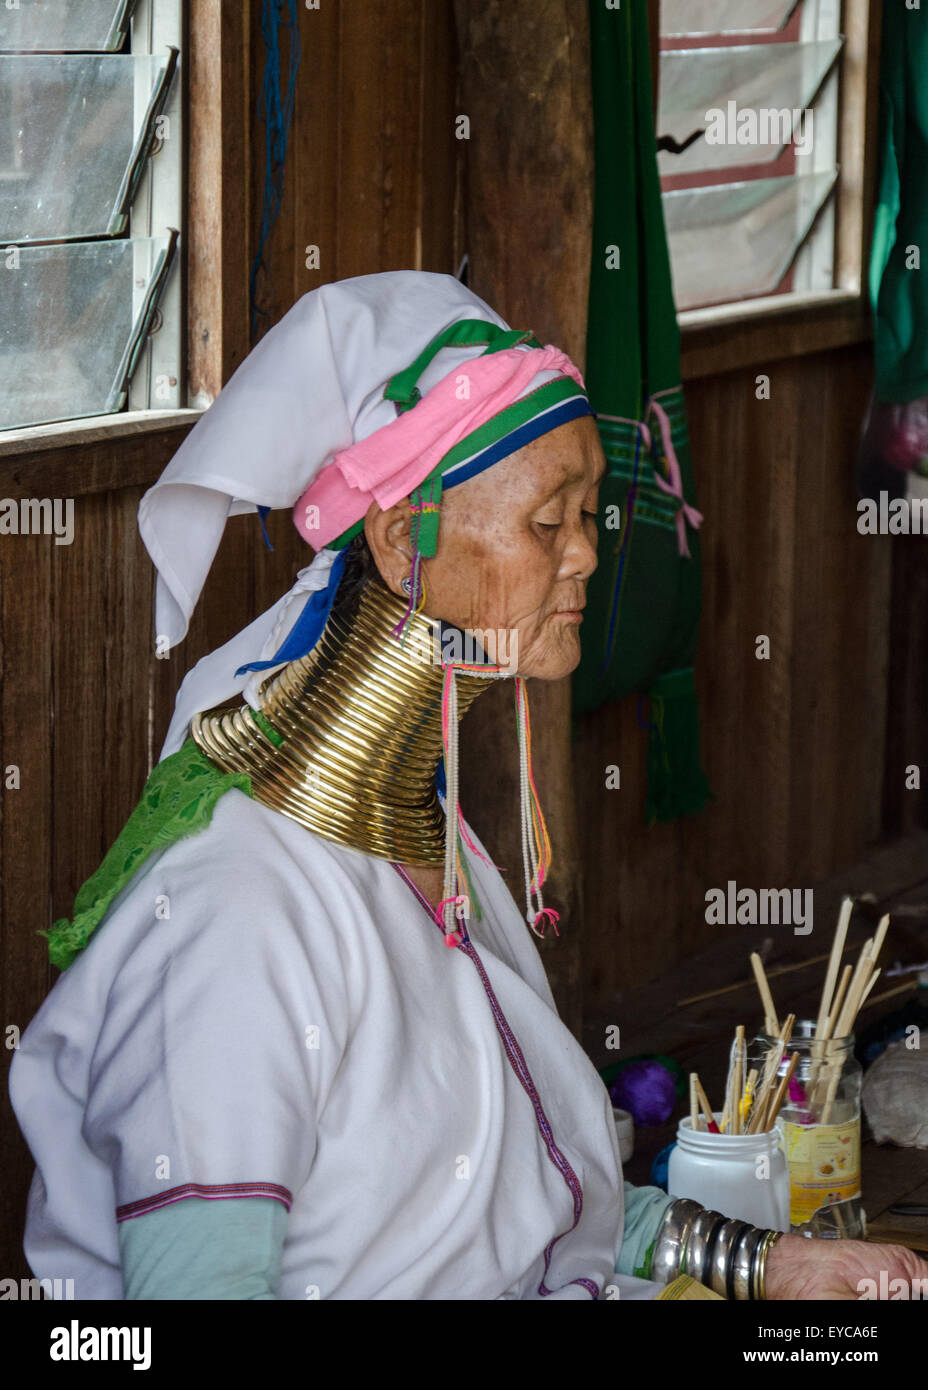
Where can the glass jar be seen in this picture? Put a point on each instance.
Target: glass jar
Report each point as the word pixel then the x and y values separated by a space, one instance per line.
pixel 819 1125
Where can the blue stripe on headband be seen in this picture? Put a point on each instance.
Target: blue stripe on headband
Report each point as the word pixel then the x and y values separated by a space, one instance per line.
pixel 541 424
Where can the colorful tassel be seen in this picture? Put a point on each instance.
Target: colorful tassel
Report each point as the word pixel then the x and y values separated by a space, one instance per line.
pixel 536 843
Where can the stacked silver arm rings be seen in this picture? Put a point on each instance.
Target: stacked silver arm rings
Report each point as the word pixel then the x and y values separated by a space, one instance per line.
pixel 729 1257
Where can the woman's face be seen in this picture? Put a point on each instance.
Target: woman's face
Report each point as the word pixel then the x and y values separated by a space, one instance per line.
pixel 516 546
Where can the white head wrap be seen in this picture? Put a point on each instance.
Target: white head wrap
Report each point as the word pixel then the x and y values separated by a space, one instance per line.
pixel 313 386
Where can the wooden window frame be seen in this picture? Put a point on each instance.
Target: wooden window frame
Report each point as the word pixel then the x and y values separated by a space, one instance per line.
pixel 759 331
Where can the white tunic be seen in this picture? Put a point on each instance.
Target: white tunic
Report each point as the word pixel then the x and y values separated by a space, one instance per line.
pixel 297 1028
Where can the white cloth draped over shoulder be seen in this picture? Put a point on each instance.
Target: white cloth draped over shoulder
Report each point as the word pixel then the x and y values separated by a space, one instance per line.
pixel 297 1027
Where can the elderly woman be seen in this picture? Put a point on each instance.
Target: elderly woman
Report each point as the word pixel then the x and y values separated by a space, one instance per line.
pixel 306 1046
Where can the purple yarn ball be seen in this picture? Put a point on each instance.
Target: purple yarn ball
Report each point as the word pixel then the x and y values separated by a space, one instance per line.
pixel 646 1090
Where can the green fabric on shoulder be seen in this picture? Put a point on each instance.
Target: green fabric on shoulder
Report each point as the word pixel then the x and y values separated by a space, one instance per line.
pixel 177 800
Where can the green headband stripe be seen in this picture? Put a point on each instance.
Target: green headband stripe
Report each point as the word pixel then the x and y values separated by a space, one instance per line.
pixel 506 421
pixel 403 389
pixel 511 417
pixel 426 498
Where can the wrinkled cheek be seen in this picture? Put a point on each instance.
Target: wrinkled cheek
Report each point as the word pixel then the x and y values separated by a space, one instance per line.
pixel 490 598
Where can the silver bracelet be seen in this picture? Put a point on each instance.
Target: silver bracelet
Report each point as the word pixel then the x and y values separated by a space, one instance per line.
pixel 670 1242
pixel 697 1261
pixel 726 1255
pixel 722 1269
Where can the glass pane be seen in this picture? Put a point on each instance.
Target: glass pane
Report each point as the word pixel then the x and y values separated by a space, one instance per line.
pixel 733 241
pixel 769 84
pixel 64 26
pixel 69 127
pixel 68 315
pixel 685 17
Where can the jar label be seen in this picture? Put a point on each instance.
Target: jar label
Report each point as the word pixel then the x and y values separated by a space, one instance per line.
pixel 824 1166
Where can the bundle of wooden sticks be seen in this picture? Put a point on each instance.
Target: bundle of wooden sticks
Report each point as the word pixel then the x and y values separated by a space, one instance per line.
pixel 752 1105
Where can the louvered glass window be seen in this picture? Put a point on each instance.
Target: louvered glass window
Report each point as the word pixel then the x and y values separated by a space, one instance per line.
pixel 88 225
pixel 747 129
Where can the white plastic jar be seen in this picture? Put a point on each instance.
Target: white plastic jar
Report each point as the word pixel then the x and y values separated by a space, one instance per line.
pixel 743 1176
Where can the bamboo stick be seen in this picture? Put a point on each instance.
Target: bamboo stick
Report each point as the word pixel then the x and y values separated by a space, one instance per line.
pixel 852 998
pixel 838 1001
pixel 818 1047
pixel 781 1093
pixel 880 937
pixel 727 1107
pixel 861 983
pixel 749 1089
pixel 704 1103
pixel 737 1080
pixel 832 1092
pixel 834 960
pixel 774 1058
pixel 873 979
pixel 766 998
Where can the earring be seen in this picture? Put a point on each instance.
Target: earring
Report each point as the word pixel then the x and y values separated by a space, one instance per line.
pixel 406 585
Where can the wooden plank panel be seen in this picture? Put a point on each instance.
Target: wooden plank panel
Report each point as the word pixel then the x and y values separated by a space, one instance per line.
pixel 274 283
pixel 792 747
pixel 817 629
pixel 218 195
pixel 860 660
pixel 359 187
pixel 906 728
pixel 27 595
pixel 405 175
pixel 315 169
pixel 127 595
pixel 132 460
pixel 442 154
pixel 725 487
pixel 78 640
pixel 532 267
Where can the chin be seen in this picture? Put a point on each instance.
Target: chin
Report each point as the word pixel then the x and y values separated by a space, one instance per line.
pixel 554 667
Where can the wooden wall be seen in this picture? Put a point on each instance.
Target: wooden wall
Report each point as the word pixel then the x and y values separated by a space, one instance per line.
pixel 794 747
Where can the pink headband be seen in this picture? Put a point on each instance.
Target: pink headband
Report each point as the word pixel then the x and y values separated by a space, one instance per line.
pixel 391 462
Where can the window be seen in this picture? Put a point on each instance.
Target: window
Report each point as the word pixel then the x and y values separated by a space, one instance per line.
pixel 90 187
pixel 749 123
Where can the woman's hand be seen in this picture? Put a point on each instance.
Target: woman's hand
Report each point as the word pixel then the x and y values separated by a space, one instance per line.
pixel 803 1268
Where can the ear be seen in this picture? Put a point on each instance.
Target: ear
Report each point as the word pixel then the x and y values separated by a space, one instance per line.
pixel 388 538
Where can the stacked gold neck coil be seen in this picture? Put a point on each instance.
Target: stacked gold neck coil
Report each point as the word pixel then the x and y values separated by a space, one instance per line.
pixel 360 720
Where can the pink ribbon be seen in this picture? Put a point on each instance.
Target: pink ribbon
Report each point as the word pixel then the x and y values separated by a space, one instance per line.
pixel 394 460
pixel 674 488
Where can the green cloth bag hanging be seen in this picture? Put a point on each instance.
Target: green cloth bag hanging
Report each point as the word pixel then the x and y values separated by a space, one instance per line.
pixel 643 601
pixel 898 288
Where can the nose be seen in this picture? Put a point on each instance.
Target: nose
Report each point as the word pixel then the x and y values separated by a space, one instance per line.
pixel 579 559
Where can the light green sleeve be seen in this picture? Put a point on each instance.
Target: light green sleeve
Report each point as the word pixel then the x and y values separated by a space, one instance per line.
pixel 199 1249
pixel 644 1211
